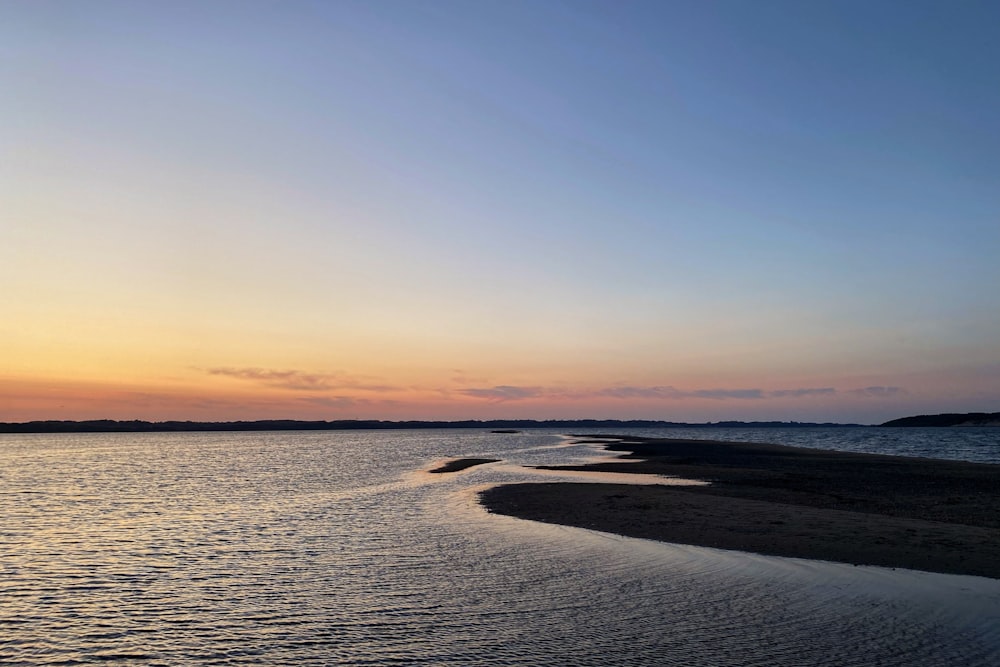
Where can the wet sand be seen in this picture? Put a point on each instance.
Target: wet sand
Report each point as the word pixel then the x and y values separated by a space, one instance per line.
pixel 922 514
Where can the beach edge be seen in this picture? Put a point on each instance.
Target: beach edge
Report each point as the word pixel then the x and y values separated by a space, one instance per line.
pixel 862 509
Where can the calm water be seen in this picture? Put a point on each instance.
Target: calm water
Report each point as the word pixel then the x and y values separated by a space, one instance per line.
pixel 981 445
pixel 336 548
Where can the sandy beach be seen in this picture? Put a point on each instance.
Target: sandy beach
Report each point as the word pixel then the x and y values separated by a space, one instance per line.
pixel 922 514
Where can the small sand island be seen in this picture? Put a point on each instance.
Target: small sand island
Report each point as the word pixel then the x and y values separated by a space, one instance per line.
pixel 462 464
pixel 864 509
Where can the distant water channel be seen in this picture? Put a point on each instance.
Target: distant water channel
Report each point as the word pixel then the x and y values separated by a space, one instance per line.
pixel 977 444
pixel 324 548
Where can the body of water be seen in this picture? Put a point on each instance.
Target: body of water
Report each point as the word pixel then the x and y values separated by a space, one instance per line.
pixel 977 444
pixel 323 548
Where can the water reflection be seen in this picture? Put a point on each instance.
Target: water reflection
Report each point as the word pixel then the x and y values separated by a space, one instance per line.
pixel 335 548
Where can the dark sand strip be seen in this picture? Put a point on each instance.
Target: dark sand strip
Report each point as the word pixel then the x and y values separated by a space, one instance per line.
pixel 462 464
pixel 922 514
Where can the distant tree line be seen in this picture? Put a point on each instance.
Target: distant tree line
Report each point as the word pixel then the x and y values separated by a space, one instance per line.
pixel 950 419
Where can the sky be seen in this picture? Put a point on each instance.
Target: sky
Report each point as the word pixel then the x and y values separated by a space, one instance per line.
pixel 679 210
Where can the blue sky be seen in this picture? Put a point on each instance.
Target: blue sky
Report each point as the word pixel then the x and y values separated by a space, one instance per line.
pixel 588 202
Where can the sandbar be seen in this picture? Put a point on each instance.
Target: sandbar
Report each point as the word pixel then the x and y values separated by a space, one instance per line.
pixel 865 509
pixel 461 464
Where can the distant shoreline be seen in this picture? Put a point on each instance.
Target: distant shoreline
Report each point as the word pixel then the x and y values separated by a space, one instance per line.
pixel 139 426
pixel 970 419
pixel 965 420
pixel 863 509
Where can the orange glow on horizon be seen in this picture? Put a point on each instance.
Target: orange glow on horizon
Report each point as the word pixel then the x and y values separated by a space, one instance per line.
pixel 252 394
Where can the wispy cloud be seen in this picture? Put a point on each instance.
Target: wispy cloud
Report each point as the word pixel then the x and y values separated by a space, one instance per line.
pixel 640 392
pixel 668 392
pixel 879 392
pixel 296 380
pixel 337 402
pixel 504 392
pixel 799 393
pixel 632 392
pixel 724 394
pixel 287 379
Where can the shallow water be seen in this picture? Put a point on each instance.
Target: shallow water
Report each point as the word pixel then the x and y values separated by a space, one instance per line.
pixel 977 444
pixel 337 548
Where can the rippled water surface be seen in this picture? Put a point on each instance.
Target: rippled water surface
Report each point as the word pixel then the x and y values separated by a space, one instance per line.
pixel 980 445
pixel 336 548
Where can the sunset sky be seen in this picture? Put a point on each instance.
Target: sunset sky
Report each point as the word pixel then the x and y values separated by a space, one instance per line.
pixel 427 209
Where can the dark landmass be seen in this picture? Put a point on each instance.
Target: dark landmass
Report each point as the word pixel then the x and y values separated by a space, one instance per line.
pixel 137 426
pixel 865 509
pixel 966 419
pixel 462 464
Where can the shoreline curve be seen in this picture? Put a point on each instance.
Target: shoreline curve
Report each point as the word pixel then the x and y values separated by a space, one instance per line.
pixel 862 509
